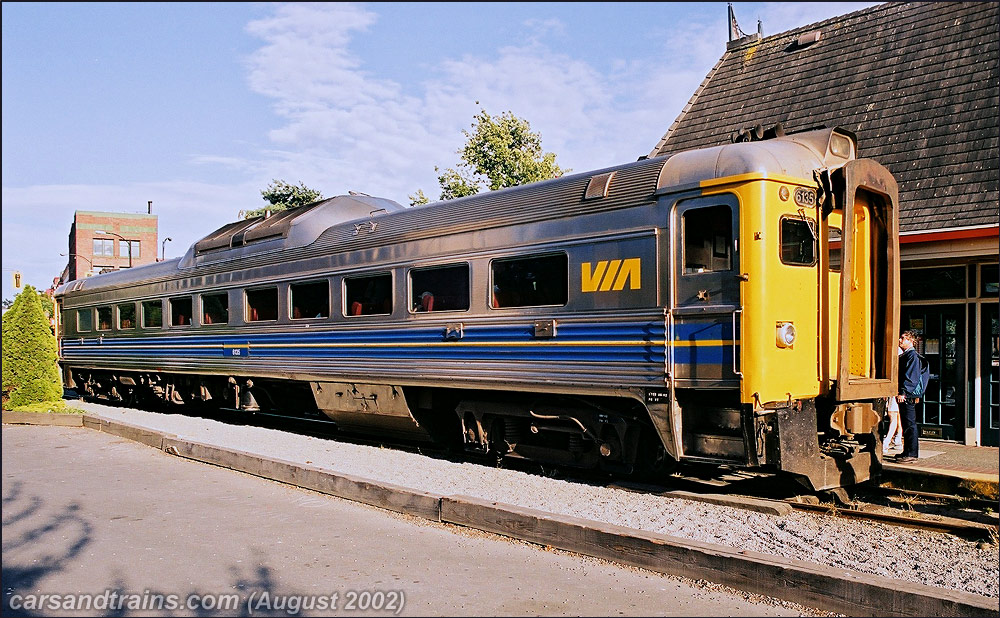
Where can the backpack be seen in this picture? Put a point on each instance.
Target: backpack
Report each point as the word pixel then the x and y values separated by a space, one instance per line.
pixel 925 375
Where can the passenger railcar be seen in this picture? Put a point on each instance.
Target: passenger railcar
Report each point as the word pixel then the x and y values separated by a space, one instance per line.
pixel 731 305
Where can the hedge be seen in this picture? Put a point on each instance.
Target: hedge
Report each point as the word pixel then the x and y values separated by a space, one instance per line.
pixel 30 372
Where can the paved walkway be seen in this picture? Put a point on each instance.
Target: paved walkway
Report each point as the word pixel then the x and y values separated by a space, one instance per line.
pixel 948 461
pixel 95 518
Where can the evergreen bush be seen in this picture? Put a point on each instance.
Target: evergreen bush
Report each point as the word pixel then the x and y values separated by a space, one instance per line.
pixel 30 372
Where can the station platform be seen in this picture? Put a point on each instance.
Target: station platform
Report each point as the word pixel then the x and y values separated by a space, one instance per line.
pixel 948 467
pixel 943 467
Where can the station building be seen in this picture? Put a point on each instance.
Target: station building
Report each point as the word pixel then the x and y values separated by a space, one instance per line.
pixel 105 241
pixel 918 84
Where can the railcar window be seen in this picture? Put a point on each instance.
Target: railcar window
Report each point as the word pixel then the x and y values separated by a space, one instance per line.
pixel 836 244
pixel 104 318
pixel 84 320
pixel 126 316
pixel 152 314
pixel 310 300
pixel 798 243
pixel 443 288
pixel 368 295
pixel 215 308
pixel 262 304
pixel 530 282
pixel 708 239
pixel 180 311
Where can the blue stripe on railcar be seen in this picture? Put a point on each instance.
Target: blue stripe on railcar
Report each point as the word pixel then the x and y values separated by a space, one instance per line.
pixel 634 342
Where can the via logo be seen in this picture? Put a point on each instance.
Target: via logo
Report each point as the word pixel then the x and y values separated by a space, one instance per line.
pixel 611 275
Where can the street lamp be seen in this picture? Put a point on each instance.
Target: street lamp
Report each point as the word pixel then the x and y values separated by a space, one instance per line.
pixel 123 239
pixel 163 248
pixel 77 255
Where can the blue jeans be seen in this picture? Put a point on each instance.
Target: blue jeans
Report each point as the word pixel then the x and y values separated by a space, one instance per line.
pixel 908 418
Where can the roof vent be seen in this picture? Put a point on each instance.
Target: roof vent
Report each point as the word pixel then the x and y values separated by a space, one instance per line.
pixel 598 186
pixel 809 38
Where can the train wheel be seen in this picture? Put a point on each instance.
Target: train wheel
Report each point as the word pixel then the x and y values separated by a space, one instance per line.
pixel 653 463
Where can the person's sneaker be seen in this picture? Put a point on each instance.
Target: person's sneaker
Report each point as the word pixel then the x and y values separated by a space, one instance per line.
pixel 904 460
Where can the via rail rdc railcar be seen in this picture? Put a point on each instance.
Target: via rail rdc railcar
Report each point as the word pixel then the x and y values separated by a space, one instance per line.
pixel 731 305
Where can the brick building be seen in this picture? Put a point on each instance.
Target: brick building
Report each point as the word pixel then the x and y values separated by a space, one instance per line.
pixel 102 241
pixel 919 83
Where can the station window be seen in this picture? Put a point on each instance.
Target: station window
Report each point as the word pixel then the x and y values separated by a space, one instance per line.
pixel 798 242
pixel 152 314
pixel 262 304
pixel 84 320
pixel 708 239
pixel 215 308
pixel 442 288
pixel 529 282
pixel 180 311
pixel 310 300
pixel 104 318
pixel 932 283
pixel 990 287
pixel 368 295
pixel 126 316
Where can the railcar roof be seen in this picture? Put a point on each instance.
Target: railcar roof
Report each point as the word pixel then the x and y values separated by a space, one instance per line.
pixel 359 221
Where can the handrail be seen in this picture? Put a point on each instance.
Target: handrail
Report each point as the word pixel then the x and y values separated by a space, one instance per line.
pixel 735 339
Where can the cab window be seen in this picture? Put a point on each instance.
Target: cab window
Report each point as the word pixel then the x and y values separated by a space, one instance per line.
pixel 529 281
pixel 708 239
pixel 798 242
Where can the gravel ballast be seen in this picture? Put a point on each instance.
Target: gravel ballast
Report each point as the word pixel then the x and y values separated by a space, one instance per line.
pixel 931 558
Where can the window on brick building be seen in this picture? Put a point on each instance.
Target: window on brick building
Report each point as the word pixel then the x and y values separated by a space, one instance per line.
pixel 104 247
pixel 123 246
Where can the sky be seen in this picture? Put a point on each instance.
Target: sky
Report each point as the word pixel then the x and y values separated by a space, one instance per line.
pixel 197 107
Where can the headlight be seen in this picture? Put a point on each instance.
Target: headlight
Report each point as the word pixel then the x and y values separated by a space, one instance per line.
pixel 841 145
pixel 785 335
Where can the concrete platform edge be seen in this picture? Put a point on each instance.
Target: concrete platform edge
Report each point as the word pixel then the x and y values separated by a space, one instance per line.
pixel 399 499
pixel 42 418
pixel 826 588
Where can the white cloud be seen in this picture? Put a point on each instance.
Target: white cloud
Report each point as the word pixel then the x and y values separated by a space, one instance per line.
pixel 347 128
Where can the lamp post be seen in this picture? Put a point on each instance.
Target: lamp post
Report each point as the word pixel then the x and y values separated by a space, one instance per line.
pixel 77 255
pixel 123 239
pixel 163 248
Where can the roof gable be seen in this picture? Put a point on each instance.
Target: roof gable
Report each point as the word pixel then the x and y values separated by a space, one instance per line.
pixel 919 83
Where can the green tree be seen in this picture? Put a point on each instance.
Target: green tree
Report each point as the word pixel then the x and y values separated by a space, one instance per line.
pixel 282 196
pixel 30 372
pixel 500 152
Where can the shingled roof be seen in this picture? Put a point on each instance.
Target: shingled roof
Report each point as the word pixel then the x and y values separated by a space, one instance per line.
pixel 919 83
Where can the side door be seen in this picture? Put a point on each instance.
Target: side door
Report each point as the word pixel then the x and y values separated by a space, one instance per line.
pixel 705 307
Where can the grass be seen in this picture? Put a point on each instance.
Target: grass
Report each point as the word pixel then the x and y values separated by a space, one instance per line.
pixel 47 407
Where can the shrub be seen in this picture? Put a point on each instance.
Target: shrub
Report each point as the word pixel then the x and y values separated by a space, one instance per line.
pixel 30 372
